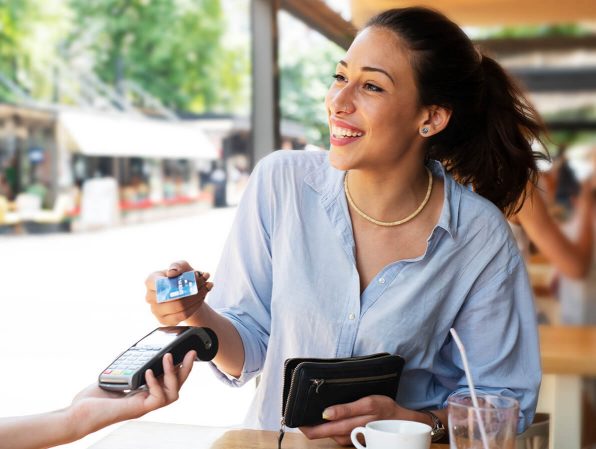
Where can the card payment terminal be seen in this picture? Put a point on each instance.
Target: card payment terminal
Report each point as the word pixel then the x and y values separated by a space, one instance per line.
pixel 127 372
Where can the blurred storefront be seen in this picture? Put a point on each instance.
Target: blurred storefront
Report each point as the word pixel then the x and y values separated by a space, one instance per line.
pixel 52 153
pixel 154 161
pixel 159 167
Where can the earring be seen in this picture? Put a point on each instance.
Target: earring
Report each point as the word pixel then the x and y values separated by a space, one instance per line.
pixel 425 130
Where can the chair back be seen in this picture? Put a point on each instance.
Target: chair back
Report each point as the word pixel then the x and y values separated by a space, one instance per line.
pixel 535 436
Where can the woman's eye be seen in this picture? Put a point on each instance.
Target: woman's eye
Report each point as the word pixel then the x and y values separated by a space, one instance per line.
pixel 339 78
pixel 372 87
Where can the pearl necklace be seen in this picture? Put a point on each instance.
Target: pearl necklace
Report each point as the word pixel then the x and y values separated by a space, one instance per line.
pixel 390 223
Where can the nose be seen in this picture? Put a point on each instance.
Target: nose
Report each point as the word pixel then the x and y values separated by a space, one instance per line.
pixel 342 101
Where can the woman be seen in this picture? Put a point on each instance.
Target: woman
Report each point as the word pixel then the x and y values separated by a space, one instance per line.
pixel 374 247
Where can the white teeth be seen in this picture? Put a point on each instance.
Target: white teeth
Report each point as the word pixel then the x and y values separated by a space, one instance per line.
pixel 343 132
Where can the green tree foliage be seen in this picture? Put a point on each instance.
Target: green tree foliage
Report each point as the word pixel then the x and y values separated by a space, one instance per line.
pixel 171 48
pixel 12 14
pixel 29 33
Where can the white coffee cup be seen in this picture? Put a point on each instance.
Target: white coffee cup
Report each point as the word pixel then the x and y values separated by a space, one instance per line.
pixel 393 434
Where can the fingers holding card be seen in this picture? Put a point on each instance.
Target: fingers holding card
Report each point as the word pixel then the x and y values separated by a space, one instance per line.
pixel 175 299
pixel 169 289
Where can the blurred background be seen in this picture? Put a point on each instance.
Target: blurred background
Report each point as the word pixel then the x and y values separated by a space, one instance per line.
pixel 128 129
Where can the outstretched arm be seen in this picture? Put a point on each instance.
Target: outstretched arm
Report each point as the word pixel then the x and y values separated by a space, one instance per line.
pixel 93 409
pixel 572 258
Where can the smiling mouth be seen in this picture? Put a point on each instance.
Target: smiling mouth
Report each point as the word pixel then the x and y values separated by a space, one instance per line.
pixel 339 133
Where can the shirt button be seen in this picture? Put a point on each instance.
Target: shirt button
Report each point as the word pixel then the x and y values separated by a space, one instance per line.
pixel 351 316
pixel 381 280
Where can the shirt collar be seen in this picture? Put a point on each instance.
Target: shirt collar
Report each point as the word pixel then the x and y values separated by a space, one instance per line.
pixel 327 181
pixel 448 220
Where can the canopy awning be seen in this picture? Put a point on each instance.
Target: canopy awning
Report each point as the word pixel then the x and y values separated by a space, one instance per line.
pixel 122 135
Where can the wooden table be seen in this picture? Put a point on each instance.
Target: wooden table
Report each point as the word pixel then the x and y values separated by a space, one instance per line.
pixel 148 435
pixel 568 354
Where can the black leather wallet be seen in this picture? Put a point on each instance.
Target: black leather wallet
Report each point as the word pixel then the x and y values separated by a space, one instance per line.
pixel 312 385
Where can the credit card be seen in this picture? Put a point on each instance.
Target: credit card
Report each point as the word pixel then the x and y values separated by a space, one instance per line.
pixel 169 289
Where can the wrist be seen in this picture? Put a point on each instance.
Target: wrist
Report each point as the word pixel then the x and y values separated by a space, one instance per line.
pixel 85 417
pixel 438 429
pixel 419 416
pixel 200 317
pixel 72 426
pixel 426 418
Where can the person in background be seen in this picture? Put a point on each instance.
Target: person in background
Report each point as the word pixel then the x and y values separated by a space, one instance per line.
pixel 219 181
pixel 533 223
pixel 378 245
pixel 93 409
pixel 577 295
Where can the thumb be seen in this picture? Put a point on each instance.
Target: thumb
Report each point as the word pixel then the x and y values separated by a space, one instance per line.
pixel 177 268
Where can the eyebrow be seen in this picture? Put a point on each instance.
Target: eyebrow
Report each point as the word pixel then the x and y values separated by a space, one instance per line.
pixel 369 69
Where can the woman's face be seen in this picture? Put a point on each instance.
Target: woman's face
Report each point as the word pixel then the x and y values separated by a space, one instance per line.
pixel 372 106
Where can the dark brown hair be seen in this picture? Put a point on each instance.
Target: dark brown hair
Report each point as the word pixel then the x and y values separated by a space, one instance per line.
pixel 488 141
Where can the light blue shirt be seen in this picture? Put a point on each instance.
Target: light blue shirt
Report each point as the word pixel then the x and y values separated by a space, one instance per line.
pixel 288 282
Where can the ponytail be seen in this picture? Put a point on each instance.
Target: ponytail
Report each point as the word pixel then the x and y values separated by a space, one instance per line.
pixel 494 153
pixel 488 140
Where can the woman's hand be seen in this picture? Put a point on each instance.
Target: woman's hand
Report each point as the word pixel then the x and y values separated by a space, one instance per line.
pixel 230 355
pixel 173 312
pixel 94 408
pixel 345 417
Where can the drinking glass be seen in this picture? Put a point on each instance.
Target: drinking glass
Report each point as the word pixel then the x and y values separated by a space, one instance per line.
pixel 496 418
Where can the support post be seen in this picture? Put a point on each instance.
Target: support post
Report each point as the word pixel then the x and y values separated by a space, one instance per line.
pixel 265 135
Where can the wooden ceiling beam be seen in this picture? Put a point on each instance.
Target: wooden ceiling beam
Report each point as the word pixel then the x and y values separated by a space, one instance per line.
pixel 505 47
pixel 320 17
pixel 568 79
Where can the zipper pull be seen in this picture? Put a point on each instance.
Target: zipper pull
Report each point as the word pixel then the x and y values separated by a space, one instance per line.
pixel 282 432
pixel 318 383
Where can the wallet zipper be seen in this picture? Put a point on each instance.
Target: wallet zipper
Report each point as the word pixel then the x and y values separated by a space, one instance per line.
pixel 282 428
pixel 319 382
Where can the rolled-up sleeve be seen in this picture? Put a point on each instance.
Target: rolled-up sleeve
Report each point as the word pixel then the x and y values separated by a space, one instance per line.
pixel 498 328
pixel 242 282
